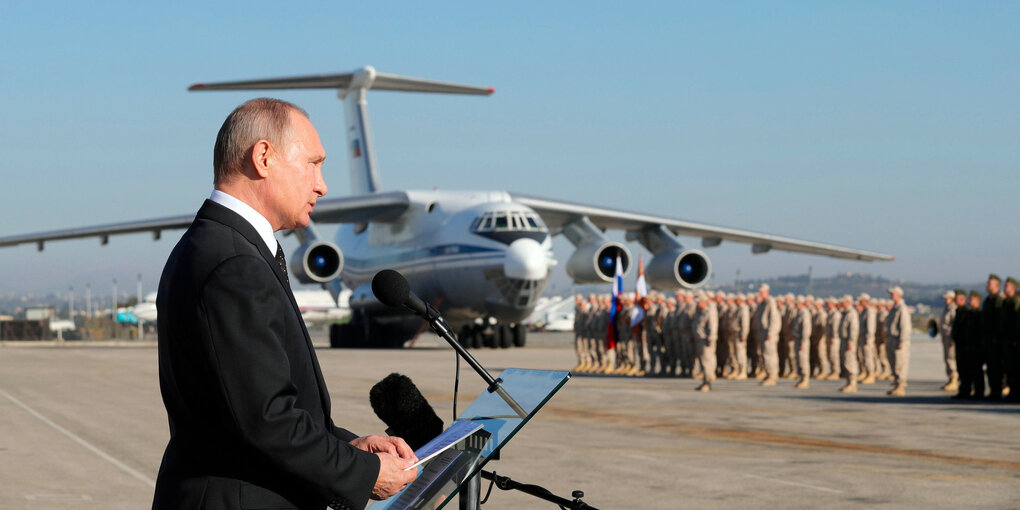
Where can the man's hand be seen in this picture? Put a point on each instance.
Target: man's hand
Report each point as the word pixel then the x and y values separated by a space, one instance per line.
pixel 392 477
pixel 386 444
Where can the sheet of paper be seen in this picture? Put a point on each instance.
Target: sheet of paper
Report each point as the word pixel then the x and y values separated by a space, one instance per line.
pixel 426 479
pixel 451 436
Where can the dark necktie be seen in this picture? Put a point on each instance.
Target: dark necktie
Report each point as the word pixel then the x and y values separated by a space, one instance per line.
pixel 280 259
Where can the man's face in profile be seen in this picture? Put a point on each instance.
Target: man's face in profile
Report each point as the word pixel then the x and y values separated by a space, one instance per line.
pixel 296 180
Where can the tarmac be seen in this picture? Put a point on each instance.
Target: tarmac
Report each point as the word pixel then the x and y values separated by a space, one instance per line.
pixel 82 426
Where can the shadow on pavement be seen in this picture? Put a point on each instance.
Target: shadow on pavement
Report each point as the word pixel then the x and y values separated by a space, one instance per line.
pixel 931 400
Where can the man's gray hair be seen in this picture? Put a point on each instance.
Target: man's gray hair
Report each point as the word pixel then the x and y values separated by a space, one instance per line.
pixel 258 119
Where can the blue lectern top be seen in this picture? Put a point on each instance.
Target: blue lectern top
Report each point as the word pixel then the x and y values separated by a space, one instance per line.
pixel 436 487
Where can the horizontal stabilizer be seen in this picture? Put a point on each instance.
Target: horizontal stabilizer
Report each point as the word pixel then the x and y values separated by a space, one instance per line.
pixel 375 81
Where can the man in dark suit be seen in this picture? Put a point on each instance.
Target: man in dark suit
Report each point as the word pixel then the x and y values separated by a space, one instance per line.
pixel 249 413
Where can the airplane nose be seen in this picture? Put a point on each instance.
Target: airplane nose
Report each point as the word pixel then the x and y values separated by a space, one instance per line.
pixel 525 260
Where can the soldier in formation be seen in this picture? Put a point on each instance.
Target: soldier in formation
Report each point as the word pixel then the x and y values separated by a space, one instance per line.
pixel 945 324
pixel 707 335
pixel 898 328
pixel 705 326
pixel 868 354
pixel 984 336
pixel 966 334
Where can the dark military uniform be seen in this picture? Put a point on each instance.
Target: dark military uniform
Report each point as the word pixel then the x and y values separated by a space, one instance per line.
pixel 967 337
pixel 991 310
pixel 1009 331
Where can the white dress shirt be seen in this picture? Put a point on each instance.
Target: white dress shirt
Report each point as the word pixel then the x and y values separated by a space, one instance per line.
pixel 257 221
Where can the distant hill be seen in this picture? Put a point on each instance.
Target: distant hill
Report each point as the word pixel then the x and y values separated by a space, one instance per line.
pixel 853 284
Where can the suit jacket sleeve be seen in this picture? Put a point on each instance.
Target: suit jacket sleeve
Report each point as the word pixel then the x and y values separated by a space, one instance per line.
pixel 342 434
pixel 242 303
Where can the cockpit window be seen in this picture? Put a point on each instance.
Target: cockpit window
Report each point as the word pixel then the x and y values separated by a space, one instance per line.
pixel 505 221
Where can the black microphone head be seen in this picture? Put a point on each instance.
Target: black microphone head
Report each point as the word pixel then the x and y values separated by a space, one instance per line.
pixel 391 288
pixel 399 404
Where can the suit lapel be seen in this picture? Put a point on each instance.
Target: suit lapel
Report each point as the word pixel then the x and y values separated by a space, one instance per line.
pixel 221 214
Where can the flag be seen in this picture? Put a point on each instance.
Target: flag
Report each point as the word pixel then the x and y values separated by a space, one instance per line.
pixel 640 291
pixel 617 291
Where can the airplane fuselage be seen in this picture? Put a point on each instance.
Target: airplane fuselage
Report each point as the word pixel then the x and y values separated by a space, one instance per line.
pixel 470 254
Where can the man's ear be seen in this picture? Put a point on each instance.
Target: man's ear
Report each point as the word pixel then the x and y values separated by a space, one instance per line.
pixel 261 153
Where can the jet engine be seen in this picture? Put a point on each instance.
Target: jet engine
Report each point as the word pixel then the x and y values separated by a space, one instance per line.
pixel 596 262
pixel 317 262
pixel 676 268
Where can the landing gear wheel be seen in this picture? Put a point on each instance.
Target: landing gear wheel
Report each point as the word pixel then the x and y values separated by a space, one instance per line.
pixel 520 335
pixel 477 337
pixel 503 336
pixel 466 338
pixel 344 336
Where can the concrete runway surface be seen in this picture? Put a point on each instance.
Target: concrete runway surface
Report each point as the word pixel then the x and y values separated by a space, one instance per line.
pixel 83 427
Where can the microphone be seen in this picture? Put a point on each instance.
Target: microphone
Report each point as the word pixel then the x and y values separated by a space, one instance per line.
pixel 399 404
pixel 392 289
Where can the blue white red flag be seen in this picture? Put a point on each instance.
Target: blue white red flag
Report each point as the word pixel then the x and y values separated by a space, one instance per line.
pixel 617 291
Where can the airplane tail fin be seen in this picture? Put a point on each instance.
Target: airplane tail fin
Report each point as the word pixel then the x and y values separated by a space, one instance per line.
pixel 352 87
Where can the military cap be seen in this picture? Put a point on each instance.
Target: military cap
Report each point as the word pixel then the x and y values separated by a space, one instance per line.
pixel 763 286
pixel 975 293
pixel 847 297
pixel 995 277
pixel 896 289
pixel 960 291
pixel 1011 280
pixel 819 301
pixel 864 297
pixel 830 299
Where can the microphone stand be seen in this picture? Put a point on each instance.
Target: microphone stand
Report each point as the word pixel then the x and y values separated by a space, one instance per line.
pixel 441 328
pixel 506 484
pixel 471 491
pixel 470 494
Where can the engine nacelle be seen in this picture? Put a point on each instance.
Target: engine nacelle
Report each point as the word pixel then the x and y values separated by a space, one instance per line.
pixel 317 262
pixel 596 262
pixel 678 268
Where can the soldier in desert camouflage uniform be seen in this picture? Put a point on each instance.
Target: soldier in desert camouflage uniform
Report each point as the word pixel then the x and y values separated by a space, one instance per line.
pixel 948 346
pixel 898 329
pixel 849 332
pixel 706 333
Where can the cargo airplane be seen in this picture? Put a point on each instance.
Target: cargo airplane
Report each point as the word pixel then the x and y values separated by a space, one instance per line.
pixel 482 258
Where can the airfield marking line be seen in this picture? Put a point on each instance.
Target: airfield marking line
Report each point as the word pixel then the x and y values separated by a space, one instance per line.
pixel 89 446
pixel 795 484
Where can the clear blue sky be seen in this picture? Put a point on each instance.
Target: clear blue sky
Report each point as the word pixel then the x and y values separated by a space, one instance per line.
pixel 886 126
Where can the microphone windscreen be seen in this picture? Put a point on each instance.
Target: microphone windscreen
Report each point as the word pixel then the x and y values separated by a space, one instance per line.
pixel 399 404
pixel 391 288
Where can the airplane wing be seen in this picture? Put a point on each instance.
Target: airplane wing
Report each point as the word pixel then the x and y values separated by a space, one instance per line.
pixel 361 208
pixel 354 209
pixel 557 213
pixel 156 226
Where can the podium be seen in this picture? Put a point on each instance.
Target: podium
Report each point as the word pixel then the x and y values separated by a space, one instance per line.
pixel 458 468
